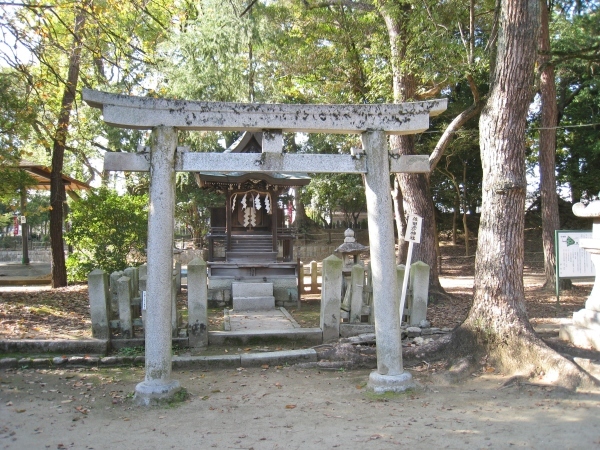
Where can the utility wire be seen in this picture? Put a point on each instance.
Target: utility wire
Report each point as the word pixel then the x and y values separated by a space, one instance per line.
pixel 560 127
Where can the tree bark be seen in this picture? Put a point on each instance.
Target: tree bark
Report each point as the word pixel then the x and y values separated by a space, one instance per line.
pixel 57 189
pixel 497 325
pixel 499 298
pixel 547 151
pixel 300 217
pixel 415 187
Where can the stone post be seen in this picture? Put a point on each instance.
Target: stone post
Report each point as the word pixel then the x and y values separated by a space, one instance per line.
pixel 124 294
pixel 197 303
pixel 300 281
pixel 143 270
pixel 158 384
pixel 357 281
pixel 114 295
pixel 134 274
pixel 142 285
pixel 390 375
pixel 314 273
pixel 99 303
pixel 174 318
pixel 419 282
pixel 331 298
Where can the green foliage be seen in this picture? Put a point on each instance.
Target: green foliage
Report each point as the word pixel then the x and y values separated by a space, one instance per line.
pixel 131 351
pixel 16 116
pixel 330 193
pixel 193 207
pixel 211 55
pixel 109 232
pixel 575 53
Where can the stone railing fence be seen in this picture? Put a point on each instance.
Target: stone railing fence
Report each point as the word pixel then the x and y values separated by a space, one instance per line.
pixel 347 299
pixel 117 302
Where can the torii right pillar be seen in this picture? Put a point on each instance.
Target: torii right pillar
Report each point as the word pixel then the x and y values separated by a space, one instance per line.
pixel 390 375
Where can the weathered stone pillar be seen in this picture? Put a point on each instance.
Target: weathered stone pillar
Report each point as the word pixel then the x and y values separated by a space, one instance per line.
pixel 124 294
pixel 197 303
pixel 390 375
pixel 114 295
pixel 174 318
pixel 419 283
pixel 158 384
pixel 142 284
pixel 357 281
pixel 134 274
pixel 99 303
pixel 331 298
pixel 143 271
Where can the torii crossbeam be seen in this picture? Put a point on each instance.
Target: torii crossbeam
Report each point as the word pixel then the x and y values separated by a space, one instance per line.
pixel 165 117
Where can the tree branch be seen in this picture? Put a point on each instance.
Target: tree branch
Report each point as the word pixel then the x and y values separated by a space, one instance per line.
pixel 456 124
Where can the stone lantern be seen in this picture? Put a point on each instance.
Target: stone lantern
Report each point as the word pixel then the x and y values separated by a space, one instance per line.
pixel 585 329
pixel 350 251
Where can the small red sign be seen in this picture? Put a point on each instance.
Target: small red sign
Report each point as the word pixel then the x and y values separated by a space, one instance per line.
pixel 16 225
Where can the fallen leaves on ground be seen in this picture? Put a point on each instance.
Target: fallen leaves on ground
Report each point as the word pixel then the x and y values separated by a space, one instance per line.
pixel 45 314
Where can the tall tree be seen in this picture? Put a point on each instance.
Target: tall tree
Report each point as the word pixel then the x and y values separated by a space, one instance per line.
pixel 497 321
pixel 57 188
pixel 414 189
pixel 547 148
pixel 60 45
pixel 576 57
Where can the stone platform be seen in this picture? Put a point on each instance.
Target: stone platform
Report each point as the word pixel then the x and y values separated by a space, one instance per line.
pixel 267 320
pixel 243 327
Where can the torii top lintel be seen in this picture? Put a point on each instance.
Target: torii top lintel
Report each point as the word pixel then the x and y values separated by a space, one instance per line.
pixel 144 113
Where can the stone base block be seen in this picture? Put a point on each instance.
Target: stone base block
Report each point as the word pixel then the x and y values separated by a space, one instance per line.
pixel 390 383
pixel 251 289
pixel 285 290
pixel 580 336
pixel 253 303
pixel 351 329
pixel 152 393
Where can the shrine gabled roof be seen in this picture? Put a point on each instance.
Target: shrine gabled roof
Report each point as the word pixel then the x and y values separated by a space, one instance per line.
pixel 251 142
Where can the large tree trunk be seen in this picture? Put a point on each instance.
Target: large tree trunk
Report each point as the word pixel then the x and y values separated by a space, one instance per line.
pixel 497 323
pixel 414 187
pixel 547 157
pixel 57 189
pixel 300 218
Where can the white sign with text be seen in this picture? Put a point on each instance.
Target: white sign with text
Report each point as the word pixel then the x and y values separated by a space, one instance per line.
pixel 573 261
pixel 413 229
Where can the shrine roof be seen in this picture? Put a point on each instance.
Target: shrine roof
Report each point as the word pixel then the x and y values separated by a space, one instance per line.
pixel 251 142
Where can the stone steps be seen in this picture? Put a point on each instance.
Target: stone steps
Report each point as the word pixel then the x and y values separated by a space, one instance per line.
pixel 251 256
pixel 252 296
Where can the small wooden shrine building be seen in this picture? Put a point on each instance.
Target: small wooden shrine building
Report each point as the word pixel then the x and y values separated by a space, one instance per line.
pixel 250 239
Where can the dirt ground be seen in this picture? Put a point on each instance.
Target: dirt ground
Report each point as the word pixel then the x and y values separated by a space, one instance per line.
pixel 291 408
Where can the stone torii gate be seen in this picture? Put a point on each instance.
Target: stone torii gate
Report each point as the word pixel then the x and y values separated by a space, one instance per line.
pixel 165 117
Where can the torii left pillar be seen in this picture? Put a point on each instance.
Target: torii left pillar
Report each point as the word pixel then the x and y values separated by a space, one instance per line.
pixel 158 384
